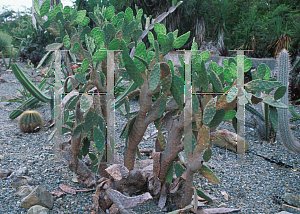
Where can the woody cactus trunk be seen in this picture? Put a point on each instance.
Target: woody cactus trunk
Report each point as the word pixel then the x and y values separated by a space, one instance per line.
pixel 85 109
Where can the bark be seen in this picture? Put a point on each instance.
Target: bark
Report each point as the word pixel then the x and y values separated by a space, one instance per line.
pixel 188 188
pixel 139 126
pixel 173 147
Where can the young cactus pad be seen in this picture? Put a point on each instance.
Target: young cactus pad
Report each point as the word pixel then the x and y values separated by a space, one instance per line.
pixel 30 121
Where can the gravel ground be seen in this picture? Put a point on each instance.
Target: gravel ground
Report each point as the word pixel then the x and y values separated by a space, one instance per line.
pixel 254 184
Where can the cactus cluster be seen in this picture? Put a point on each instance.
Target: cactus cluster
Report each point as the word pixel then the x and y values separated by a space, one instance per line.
pixel 30 121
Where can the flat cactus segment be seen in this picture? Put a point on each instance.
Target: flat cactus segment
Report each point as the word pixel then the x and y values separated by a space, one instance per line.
pixel 128 30
pixel 209 112
pixel 80 77
pixel 163 39
pixel 109 12
pixel 141 53
pixel 217 84
pixel 229 115
pixel 268 74
pixel 247 65
pixel 203 78
pixel 259 85
pixel 85 65
pixel 227 76
pixel 130 66
pixel 76 47
pixel 207 155
pixel 180 41
pixel 261 71
pixel 162 105
pixel 90 120
pixel 81 14
pixel 177 89
pixel 128 16
pixel 233 70
pixel 270 101
pixel 114 44
pixel 100 55
pixel 86 31
pixel 109 32
pixel 99 138
pixel 209 175
pixel 218 118
pixel 280 92
pixel 166 83
pixel 29 121
pixel 232 93
pixel 225 63
pixel 44 8
pixel 67 42
pixel 151 38
pixel 86 101
pixel 205 56
pixel 219 70
pixel 154 77
pixel 160 29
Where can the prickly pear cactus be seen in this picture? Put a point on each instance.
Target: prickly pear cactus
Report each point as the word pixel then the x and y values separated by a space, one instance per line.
pixel 30 121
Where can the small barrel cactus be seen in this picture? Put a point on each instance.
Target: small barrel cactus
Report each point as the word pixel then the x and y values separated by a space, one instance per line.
pixel 30 121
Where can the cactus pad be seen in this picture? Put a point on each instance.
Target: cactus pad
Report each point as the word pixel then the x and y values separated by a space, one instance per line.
pixel 262 85
pixel 209 112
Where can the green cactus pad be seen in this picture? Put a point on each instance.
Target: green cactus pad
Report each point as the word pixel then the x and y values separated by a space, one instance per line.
pixel 86 102
pixel 165 49
pixel 163 39
pixel 209 175
pixel 109 12
pixel 209 112
pixel 100 55
pixel 261 71
pixel 207 155
pixel 67 42
pixel 280 92
pixel 216 82
pixel 229 115
pixel 76 47
pixel 114 44
pixel 166 83
pixel 179 169
pixel 151 38
pixel 221 77
pixel 170 63
pixel 141 53
pixel 130 66
pixel 270 101
pixel 162 105
pixel 78 129
pixel 247 65
pixel 268 74
pixel 81 14
pixel 29 121
pixel 225 63
pixel 109 32
pixel 90 120
pixel 128 16
pixel 154 77
pixel 128 30
pixel 86 31
pixel 218 118
pixel 80 77
pixel 44 8
pixel 160 29
pixel 232 93
pixel 85 65
pixel 219 70
pixel 99 138
pixel 177 89
pixel 259 85
pixel 180 41
pixel 204 78
pixel 205 56
pixel 233 70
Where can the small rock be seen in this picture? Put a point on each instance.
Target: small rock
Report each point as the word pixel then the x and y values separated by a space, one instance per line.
pixel 23 191
pixel 228 140
pixel 222 205
pixel 283 212
pixel 37 209
pixel 292 126
pixel 38 196
pixel 247 188
pixel 4 173
pixel 292 199
pixel 21 181
pixel 59 201
pixel 3 98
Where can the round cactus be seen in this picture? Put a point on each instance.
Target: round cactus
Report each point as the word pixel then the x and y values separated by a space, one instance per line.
pixel 30 121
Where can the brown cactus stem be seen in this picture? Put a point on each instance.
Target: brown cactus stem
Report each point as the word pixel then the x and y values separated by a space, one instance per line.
pixel 139 126
pixel 188 189
pixel 173 147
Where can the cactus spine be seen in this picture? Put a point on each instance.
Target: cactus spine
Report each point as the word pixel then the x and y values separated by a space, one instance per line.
pixel 285 133
pixel 30 121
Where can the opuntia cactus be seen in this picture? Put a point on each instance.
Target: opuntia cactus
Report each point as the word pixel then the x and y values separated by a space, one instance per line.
pixel 30 121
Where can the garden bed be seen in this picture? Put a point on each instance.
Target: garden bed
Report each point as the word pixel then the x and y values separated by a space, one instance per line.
pixel 255 185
